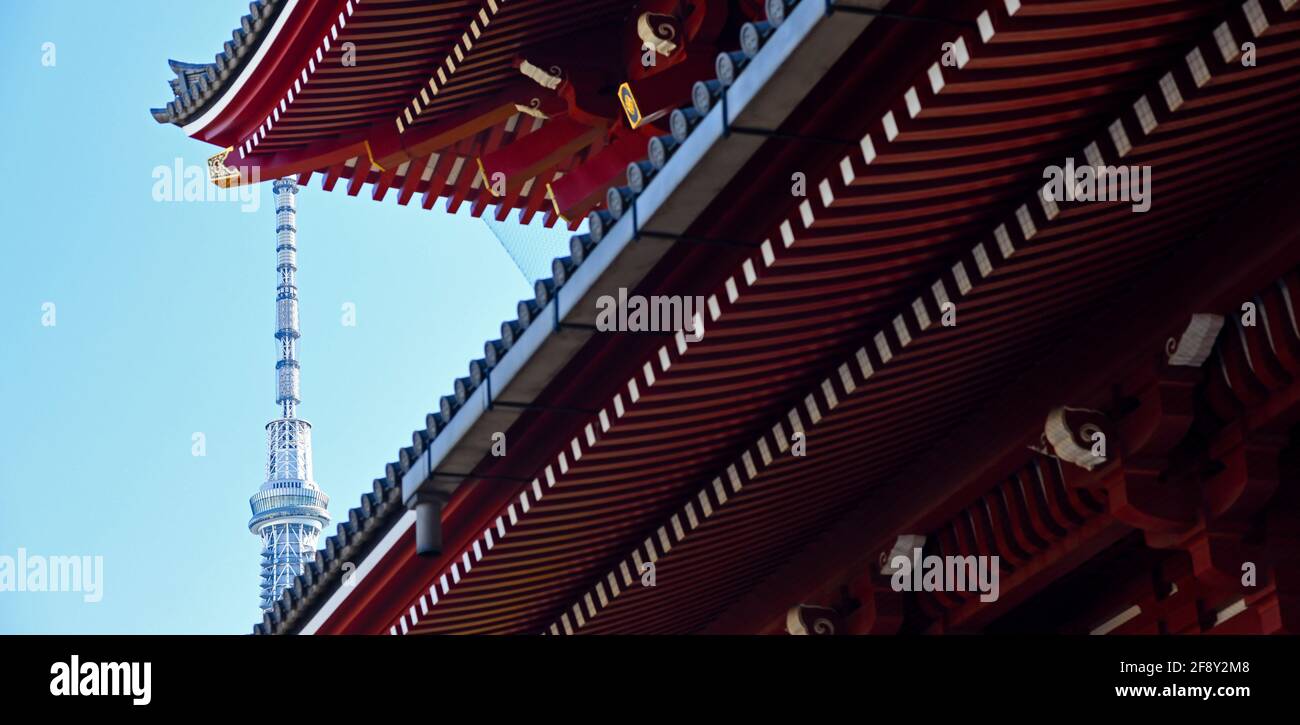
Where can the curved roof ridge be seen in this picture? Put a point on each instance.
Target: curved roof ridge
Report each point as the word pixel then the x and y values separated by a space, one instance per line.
pixel 198 85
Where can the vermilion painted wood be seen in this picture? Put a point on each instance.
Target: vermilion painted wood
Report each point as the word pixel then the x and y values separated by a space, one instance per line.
pixel 991 134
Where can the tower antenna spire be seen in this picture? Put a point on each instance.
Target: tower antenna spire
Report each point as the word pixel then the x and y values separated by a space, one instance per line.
pixel 289 509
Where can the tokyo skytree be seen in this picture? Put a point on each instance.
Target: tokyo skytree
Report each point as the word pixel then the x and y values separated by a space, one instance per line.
pixel 289 509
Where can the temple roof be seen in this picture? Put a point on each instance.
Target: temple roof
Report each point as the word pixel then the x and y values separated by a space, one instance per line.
pixel 454 99
pixel 198 85
pixel 923 147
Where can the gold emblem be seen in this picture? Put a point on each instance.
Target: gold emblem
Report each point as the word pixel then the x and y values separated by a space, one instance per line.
pixel 630 108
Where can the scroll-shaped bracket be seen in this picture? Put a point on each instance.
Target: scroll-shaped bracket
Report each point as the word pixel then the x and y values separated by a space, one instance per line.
pixel 549 80
pixel 1079 436
pixel 865 604
pixel 1194 346
pixel 658 31
pixel 1134 481
pixel 804 619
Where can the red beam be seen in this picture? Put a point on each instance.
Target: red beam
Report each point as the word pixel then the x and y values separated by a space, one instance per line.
pixel 539 152
pixel 384 182
pixel 414 171
pixel 333 175
pixel 360 172
pixel 437 180
pixel 584 187
pixel 421 139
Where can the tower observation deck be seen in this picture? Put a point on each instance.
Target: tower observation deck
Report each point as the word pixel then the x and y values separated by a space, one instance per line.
pixel 289 509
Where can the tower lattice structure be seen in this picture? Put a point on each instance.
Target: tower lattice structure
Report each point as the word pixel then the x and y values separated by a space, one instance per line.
pixel 289 509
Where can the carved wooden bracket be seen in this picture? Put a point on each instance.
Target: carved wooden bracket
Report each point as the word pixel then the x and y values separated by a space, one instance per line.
pixel 549 79
pixel 804 619
pixel 878 610
pixel 866 605
pixel 1079 436
pixel 659 31
pixel 1129 458
pixel 1165 410
pixel 1220 543
pixel 1138 495
pixel 1194 345
pixel 1250 474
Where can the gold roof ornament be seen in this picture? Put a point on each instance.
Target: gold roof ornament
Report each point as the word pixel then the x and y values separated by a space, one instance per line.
pixel 219 173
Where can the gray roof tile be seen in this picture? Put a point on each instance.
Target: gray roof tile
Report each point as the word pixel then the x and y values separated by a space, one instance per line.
pixel 198 85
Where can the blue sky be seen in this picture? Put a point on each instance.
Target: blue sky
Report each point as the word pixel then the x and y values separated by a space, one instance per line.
pixel 164 318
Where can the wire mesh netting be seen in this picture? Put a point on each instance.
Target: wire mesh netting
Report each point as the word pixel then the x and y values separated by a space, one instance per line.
pixel 531 246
